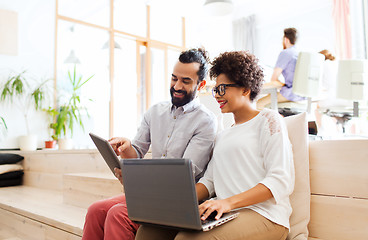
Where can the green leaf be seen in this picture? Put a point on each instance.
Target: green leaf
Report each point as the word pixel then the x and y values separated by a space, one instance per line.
pixel 3 122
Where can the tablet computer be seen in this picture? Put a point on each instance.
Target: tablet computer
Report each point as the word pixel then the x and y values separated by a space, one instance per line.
pixel 105 149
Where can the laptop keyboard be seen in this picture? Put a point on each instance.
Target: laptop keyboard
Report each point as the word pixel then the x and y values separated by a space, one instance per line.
pixel 208 221
pixel 210 218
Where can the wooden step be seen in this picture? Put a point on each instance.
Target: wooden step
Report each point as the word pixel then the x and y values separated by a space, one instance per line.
pixel 24 228
pixel 45 168
pixel 8 235
pixel 82 189
pixel 39 214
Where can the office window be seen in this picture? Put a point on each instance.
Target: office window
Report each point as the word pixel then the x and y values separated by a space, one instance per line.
pixel 172 58
pixel 358 29
pixel 166 27
pixel 82 47
pixel 365 14
pixel 95 12
pixel 125 89
pixel 159 88
pixel 142 83
pixel 163 61
pixel 130 17
pixel 131 69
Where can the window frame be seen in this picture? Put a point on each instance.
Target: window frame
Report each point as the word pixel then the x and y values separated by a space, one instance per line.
pixel 140 41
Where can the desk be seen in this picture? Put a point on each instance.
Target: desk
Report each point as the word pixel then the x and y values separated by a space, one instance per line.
pixel 273 91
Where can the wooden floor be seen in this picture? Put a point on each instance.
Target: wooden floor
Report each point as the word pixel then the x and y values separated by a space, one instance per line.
pixel 7 235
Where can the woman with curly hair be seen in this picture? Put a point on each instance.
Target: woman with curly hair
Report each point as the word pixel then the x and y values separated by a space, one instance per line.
pixel 251 169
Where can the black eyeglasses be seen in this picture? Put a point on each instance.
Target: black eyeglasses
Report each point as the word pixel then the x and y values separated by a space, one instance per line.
pixel 221 89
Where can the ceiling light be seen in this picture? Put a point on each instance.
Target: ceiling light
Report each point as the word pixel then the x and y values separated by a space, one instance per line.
pixel 72 58
pixel 107 45
pixel 218 7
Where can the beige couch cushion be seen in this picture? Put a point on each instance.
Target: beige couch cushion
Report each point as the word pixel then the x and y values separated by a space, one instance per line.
pixel 297 126
pixel 5 168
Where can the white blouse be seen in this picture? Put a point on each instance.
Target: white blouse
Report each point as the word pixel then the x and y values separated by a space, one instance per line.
pixel 257 151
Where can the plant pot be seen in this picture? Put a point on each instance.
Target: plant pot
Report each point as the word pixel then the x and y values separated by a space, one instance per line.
pixel 50 144
pixel 28 143
pixel 65 144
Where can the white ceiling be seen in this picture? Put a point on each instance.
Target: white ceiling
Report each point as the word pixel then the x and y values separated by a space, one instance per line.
pixel 244 7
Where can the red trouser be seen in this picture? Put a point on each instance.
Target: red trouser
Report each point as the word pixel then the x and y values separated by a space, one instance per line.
pixel 108 219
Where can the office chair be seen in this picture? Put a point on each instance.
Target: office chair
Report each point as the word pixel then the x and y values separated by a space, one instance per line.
pixel 307 76
pixel 352 78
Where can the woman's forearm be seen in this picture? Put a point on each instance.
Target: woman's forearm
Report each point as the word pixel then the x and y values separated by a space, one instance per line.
pixel 202 192
pixel 257 194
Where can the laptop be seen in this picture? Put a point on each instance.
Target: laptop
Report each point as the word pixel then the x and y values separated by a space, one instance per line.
pixel 105 149
pixel 162 192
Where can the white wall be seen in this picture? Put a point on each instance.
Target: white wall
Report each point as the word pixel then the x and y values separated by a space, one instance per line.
pixel 213 33
pixel 36 20
pixel 312 18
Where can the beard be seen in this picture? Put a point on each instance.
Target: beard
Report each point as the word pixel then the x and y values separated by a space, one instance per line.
pixel 178 102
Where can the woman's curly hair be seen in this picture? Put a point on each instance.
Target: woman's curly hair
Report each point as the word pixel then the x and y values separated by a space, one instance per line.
pixel 240 67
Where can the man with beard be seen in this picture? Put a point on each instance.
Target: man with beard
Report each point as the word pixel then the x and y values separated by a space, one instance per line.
pixel 285 65
pixel 182 128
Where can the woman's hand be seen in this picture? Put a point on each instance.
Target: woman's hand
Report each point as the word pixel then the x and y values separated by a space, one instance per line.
pixel 209 206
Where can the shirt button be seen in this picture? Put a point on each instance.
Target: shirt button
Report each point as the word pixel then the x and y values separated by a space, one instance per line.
pixel 174 117
pixel 168 136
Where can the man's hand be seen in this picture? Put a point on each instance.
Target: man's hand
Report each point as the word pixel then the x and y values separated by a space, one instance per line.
pixel 118 175
pixel 123 147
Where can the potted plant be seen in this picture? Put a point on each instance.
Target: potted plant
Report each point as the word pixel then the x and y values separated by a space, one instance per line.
pixel 51 113
pixel 69 112
pixel 27 95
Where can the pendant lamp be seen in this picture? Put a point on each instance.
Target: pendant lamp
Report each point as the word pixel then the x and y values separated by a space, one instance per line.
pixel 218 7
pixel 72 58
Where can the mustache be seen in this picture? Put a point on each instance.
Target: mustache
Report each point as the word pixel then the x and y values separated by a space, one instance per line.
pixel 178 91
